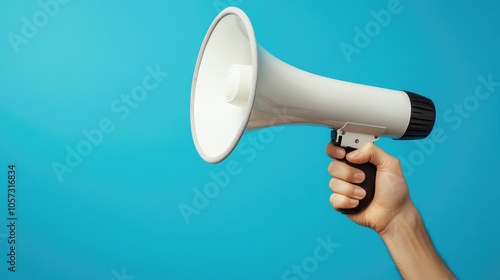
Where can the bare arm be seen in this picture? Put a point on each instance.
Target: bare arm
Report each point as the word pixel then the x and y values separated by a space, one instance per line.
pixel 412 249
pixel 391 213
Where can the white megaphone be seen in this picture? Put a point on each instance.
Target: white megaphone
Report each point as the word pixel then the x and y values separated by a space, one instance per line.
pixel 238 85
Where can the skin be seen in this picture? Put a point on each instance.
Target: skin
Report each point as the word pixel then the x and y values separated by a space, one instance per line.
pixel 391 213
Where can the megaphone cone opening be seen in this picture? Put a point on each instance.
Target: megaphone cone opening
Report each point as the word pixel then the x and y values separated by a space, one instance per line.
pixel 224 84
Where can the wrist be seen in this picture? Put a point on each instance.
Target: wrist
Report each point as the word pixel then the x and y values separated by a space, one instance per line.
pixel 411 247
pixel 407 219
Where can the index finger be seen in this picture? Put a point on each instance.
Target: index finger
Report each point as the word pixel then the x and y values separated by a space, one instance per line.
pixel 335 151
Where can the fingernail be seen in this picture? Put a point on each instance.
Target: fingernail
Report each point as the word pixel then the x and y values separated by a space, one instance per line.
pixel 358 192
pixel 354 154
pixel 338 152
pixel 353 202
pixel 359 176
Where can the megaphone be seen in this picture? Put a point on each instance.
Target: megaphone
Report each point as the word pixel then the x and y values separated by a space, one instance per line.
pixel 238 85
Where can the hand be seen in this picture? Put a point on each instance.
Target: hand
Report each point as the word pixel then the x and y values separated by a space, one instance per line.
pixel 391 213
pixel 391 200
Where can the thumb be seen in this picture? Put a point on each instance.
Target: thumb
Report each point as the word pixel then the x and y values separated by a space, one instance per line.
pixel 371 153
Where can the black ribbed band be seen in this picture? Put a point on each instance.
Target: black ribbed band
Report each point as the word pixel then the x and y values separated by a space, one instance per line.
pixel 423 116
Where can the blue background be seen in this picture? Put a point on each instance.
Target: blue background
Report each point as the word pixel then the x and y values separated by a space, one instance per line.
pixel 116 215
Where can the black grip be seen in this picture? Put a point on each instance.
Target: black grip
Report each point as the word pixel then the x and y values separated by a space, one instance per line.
pixel 368 184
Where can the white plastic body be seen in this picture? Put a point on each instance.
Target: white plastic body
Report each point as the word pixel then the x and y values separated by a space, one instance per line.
pixel 238 85
pixel 307 98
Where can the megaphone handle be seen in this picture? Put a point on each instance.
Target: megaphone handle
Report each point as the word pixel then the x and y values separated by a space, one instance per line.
pixel 368 184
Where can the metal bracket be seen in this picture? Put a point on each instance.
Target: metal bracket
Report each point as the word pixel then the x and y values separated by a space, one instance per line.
pixel 354 135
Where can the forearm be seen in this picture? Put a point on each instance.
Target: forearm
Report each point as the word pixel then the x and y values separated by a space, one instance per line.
pixel 411 248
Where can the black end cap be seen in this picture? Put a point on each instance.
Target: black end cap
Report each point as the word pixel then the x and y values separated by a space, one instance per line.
pixel 423 116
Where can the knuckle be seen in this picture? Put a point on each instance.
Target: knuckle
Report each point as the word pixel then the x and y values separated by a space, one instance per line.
pixel 369 146
pixel 336 201
pixel 330 168
pixel 332 200
pixel 339 201
pixel 392 162
pixel 336 186
pixel 335 168
pixel 332 183
pixel 340 187
pixel 328 150
pixel 395 161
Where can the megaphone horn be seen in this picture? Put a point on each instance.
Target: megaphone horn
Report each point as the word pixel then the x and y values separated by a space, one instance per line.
pixel 238 85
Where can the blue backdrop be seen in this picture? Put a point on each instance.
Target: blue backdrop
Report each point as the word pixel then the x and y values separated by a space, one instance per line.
pixel 94 114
